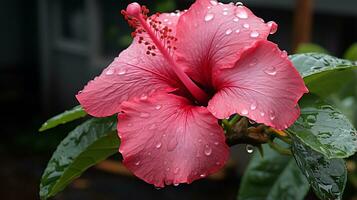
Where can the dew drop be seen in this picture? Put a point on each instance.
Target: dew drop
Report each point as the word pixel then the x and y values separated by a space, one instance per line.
pixel 228 32
pixel 225 9
pixel 203 175
pixel 109 72
pixel 218 163
pixel 158 107
pixel 237 31
pixel 262 114
pixel 209 17
pixel 208 150
pixel 271 71
pixel 144 115
pixel 241 13
pixel 158 145
pixel 225 13
pixel 235 19
pixel 239 4
pixel 249 148
pixel 213 3
pixel 172 144
pixel 137 163
pixel 272 115
pixel 311 119
pixel 152 127
pixel 251 121
pixel 121 71
pixel 246 26
pixel 254 34
pixel 176 184
pixel 166 20
pixel 253 106
pixel 143 97
pixel 216 143
pixel 245 112
pixel 273 27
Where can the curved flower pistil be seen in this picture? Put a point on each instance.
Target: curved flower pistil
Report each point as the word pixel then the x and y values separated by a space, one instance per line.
pixel 182 73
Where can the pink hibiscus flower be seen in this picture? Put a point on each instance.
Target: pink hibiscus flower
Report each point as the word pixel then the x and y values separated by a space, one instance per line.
pixel 182 73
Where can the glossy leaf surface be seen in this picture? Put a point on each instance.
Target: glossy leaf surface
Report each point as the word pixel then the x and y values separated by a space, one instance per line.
pixel 272 177
pixel 67 116
pixel 87 145
pixel 324 129
pixel 327 177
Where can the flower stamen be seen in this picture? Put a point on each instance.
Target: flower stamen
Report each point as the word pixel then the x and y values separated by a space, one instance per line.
pixel 161 38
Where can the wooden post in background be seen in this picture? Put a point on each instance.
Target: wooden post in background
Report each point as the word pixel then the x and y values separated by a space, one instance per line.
pixel 303 18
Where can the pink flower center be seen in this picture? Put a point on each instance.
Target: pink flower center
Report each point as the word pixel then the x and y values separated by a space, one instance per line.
pixel 159 34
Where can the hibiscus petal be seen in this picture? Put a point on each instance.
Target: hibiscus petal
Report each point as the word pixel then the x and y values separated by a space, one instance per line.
pixel 211 34
pixel 263 85
pixel 165 140
pixel 132 74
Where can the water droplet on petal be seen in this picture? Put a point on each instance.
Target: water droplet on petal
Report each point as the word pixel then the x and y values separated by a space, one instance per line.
pixel 137 163
pixel 249 148
pixel 253 106
pixel 237 31
pixel 225 13
pixel 121 71
pixel 225 9
pixel 239 4
pixel 203 175
pixel 158 107
pixel 271 71
pixel 144 115
pixel 109 72
pixel 236 19
pixel 216 143
pixel 229 31
pixel 152 127
pixel 262 114
pixel 254 34
pixel 245 112
pixel 143 97
pixel 218 163
pixel 209 17
pixel 241 13
pixel 176 184
pixel 208 150
pixel 172 144
pixel 272 115
pixel 273 27
pixel 246 26
pixel 158 145
pixel 213 3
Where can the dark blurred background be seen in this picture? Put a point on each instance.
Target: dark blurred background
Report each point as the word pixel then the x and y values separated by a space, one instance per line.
pixel 49 49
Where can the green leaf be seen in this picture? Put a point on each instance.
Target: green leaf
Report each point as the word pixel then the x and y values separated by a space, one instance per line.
pixel 311 48
pixel 273 177
pixel 87 145
pixel 326 177
pixel 67 116
pixel 323 74
pixel 324 129
pixel 351 53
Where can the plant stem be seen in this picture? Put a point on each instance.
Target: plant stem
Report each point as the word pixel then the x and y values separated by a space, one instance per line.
pixel 279 149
